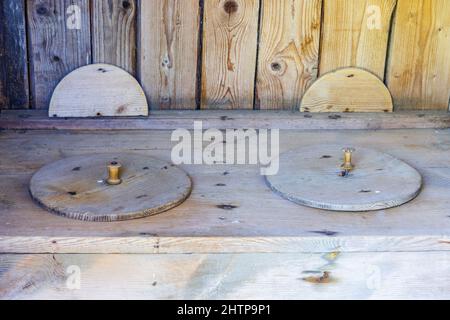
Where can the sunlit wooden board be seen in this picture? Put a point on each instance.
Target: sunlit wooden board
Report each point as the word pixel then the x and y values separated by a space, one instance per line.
pixel 347 90
pixel 98 90
pixel 76 187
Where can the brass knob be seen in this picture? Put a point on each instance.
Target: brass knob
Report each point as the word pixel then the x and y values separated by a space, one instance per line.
pixel 348 166
pixel 114 169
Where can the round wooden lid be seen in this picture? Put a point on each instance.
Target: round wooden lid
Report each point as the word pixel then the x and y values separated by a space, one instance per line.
pixel 76 187
pixel 313 177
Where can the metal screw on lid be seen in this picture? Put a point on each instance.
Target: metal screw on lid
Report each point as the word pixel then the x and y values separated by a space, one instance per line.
pixel 114 169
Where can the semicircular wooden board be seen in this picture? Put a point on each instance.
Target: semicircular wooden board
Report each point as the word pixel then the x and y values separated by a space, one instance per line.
pixel 76 188
pixel 98 90
pixel 347 90
pixel 312 177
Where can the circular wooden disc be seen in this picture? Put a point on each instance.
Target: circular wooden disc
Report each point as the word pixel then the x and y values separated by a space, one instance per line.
pixel 76 187
pixel 311 176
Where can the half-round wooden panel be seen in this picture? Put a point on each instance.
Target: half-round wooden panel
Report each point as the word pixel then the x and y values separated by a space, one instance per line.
pixel 98 90
pixel 347 90
pixel 312 177
pixel 76 188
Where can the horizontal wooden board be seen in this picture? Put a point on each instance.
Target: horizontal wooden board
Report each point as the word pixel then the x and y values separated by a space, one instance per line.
pixel 170 120
pixel 333 275
pixel 220 214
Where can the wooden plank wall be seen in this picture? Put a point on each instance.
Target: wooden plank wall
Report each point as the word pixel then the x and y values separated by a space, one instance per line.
pixel 227 54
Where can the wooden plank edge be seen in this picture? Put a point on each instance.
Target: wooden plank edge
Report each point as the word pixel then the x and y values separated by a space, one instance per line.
pixel 219 245
pixel 283 120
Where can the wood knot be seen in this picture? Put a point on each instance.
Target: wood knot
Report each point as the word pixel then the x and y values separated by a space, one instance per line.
pixel 42 10
pixel 231 7
pixel 276 66
pixel 126 5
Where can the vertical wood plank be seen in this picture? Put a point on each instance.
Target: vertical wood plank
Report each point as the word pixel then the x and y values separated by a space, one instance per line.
pixel 419 67
pixel 288 52
pixel 114 33
pixel 59 34
pixel 14 87
pixel 229 53
pixel 168 53
pixel 356 34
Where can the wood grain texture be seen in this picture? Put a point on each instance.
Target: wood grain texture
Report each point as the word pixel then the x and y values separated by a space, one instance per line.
pixel 98 90
pixel 419 67
pixel 347 90
pixel 229 54
pixel 70 187
pixel 219 216
pixel 244 276
pixel 355 33
pixel 114 33
pixel 14 86
pixel 218 119
pixel 168 52
pixel 288 52
pixel 312 177
pixel 55 49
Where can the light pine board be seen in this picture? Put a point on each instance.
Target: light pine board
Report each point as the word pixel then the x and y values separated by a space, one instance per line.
pixel 347 90
pixel 55 50
pixel 114 33
pixel 226 119
pixel 312 177
pixel 76 187
pixel 419 68
pixel 14 85
pixel 229 54
pixel 168 52
pixel 98 90
pixel 288 52
pixel 220 214
pixel 332 275
pixel 351 39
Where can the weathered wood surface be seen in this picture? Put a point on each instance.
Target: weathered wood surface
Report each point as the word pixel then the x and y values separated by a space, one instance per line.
pixel 220 214
pixel 419 67
pixel 229 54
pixel 98 90
pixel 60 41
pixel 114 31
pixel 168 52
pixel 14 87
pixel 170 120
pixel 355 33
pixel 334 275
pixel 77 187
pixel 288 52
pixel 347 90
pixel 312 176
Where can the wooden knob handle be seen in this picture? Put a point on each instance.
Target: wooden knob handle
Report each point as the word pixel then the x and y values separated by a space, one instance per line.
pixel 114 173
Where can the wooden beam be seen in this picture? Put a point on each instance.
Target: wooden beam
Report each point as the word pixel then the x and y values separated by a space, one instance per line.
pixel 14 87
pixel 163 120
pixel 288 52
pixel 114 33
pixel 60 41
pixel 229 54
pixel 168 53
pixel 419 67
pixel 332 275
